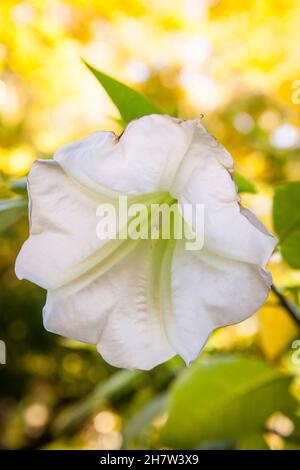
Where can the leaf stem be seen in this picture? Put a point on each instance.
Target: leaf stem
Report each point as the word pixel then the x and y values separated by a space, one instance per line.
pixel 291 308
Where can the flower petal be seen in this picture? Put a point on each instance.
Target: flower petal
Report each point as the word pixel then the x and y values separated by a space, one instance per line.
pixel 210 291
pixel 144 159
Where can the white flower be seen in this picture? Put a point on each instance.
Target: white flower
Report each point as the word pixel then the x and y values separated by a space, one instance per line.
pixel 142 303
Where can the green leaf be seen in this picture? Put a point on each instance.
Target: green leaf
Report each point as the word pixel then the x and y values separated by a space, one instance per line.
pixel 292 440
pixel 224 398
pixel 11 210
pixel 286 221
pixel 129 102
pixel 294 291
pixel 252 442
pixel 216 445
pixel 244 185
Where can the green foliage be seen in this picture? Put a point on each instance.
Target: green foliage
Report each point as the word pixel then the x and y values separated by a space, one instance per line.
pixel 130 103
pixel 11 210
pixel 252 442
pixel 115 386
pixel 243 184
pixel 19 186
pixel 137 428
pixel 224 398
pixel 294 291
pixel 286 220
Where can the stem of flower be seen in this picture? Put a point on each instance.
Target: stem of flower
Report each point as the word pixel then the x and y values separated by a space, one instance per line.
pixel 291 308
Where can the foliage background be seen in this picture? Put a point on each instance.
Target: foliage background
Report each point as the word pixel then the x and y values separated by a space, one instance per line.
pixel 235 62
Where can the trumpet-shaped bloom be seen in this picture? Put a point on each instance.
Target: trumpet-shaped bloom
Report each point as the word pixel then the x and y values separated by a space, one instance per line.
pixel 143 301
